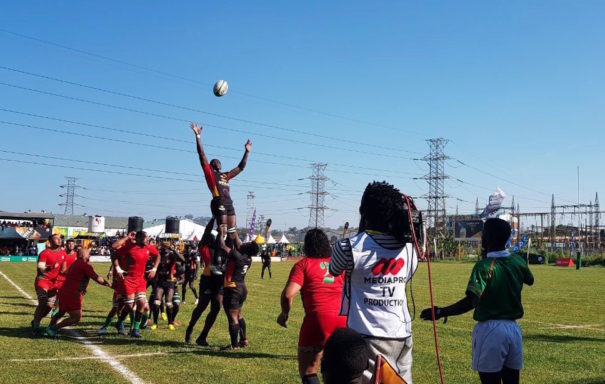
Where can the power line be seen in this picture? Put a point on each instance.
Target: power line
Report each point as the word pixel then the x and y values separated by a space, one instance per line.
pixel 121 141
pixel 167 117
pixel 190 109
pixel 193 81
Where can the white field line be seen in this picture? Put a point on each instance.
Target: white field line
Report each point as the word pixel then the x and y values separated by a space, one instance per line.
pixel 96 351
pixel 588 327
pixel 68 358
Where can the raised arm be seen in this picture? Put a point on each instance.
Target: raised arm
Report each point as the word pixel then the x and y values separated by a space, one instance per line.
pixel 242 164
pixel 200 149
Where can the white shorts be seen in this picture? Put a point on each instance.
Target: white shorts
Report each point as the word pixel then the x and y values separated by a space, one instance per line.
pixel 497 344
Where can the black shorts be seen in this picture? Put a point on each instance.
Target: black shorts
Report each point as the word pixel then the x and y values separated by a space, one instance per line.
pixel 211 285
pixel 222 207
pixel 233 298
pixel 166 285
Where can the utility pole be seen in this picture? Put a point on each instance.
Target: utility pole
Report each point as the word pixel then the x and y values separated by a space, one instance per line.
pixel 318 194
pixel 436 179
pixel 597 221
pixel 69 195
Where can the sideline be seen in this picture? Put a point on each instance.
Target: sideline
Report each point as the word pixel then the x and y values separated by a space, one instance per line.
pixel 72 358
pixel 96 351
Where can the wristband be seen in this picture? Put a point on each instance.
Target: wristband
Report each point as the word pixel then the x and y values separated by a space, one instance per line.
pixel 153 270
pixel 119 270
pixel 198 136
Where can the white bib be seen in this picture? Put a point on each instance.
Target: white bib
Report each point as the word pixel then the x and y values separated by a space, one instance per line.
pixel 374 297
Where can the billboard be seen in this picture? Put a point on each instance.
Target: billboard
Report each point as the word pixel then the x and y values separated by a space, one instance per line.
pixel 468 230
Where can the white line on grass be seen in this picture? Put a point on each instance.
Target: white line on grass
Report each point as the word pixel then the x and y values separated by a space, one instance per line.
pixel 97 351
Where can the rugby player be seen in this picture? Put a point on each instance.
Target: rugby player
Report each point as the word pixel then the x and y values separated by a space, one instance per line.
pixel 211 286
pixel 70 256
pixel 49 265
pixel 137 253
pixel 72 292
pixel 192 265
pixel 221 205
pixel 166 284
pixel 235 291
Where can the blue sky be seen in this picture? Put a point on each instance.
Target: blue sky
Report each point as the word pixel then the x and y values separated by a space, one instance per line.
pixel 517 87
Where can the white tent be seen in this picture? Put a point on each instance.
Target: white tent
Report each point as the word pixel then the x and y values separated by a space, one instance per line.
pixel 283 239
pixel 188 230
pixel 271 240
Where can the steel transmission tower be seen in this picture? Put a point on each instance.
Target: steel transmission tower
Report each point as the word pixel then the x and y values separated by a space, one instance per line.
pixel 436 217
pixel 597 221
pixel 69 195
pixel 318 195
pixel 250 207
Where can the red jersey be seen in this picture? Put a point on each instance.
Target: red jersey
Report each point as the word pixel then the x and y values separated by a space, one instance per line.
pixel 218 182
pixel 136 258
pixel 205 256
pixel 77 279
pixel 51 258
pixel 321 292
pixel 69 260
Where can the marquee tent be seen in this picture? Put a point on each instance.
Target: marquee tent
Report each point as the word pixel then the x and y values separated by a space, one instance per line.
pixel 188 230
pixel 283 239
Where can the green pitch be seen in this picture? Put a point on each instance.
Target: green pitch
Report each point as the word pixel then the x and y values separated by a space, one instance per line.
pixel 563 333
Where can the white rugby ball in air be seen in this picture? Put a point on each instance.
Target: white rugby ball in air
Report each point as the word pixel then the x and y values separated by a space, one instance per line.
pixel 220 88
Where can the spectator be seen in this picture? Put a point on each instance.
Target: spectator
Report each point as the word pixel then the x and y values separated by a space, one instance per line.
pixel 378 264
pixel 320 294
pixel 494 291
pixel 345 357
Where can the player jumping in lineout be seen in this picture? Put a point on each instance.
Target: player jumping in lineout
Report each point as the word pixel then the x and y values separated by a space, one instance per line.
pixel 221 205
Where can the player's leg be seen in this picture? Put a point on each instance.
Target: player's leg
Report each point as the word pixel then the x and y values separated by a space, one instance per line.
pixel 141 300
pixel 184 289
pixel 490 377
pixel 232 230
pixel 126 310
pixel 41 309
pixel 233 318
pixel 309 359
pixel 243 340
pixel 192 287
pixel 216 303
pixel 270 275
pixel 510 376
pixel 157 301
pixel 115 305
pixel 170 306
pixel 74 318
pixel 262 271
pixel 176 306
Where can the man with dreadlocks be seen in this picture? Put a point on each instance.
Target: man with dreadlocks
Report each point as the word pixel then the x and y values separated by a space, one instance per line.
pixel 378 264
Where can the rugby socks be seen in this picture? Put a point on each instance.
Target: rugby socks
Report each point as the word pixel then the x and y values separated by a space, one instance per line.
pixel 137 320
pixel 242 329
pixel 155 311
pixel 233 333
pixel 144 318
pixel 107 321
pixel 131 317
pixel 169 313
pixel 175 310
pixel 310 379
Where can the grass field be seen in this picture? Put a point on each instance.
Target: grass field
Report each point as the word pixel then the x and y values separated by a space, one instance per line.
pixel 563 331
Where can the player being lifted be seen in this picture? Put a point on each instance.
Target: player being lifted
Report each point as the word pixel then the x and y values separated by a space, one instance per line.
pixel 221 205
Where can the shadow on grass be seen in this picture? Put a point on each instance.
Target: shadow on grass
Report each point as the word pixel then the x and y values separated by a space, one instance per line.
pixel 561 339
pixel 178 346
pixel 28 305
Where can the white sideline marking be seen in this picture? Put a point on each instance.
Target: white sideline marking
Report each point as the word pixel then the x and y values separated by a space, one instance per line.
pixel 97 351
pixel 69 358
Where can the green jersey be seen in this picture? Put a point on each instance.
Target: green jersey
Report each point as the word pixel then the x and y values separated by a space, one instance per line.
pixel 497 284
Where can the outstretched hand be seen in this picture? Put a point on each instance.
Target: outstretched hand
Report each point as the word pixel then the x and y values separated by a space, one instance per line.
pixel 197 129
pixel 248 145
pixel 282 320
pixel 427 314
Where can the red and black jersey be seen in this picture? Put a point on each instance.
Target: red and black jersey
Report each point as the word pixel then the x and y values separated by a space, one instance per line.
pixel 167 267
pixel 237 267
pixel 218 182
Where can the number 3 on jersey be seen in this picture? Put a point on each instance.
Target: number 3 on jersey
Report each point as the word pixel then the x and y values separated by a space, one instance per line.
pixel 328 279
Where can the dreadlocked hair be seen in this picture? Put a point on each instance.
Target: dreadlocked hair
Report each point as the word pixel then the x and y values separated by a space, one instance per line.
pixel 383 209
pixel 317 244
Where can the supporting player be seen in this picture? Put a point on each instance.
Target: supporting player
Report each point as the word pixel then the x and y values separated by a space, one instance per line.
pixel 211 286
pixel 166 284
pixel 49 264
pixel 494 292
pixel 72 293
pixel 221 205
pixel 119 293
pixel 235 291
pixel 135 285
pixel 70 256
pixel 192 265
